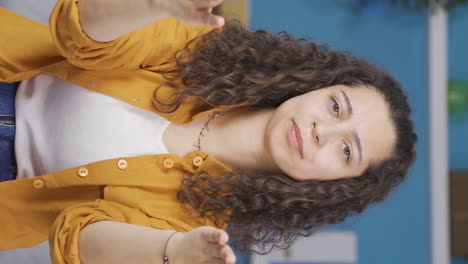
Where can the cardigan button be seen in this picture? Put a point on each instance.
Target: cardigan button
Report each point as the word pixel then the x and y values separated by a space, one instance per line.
pixel 197 161
pixel 168 163
pixel 38 184
pixel 83 172
pixel 122 164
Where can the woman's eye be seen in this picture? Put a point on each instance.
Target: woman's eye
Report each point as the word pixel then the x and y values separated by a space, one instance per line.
pixel 346 151
pixel 335 107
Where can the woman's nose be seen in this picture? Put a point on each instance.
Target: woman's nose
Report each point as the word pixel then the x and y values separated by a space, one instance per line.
pixel 323 132
pixel 315 136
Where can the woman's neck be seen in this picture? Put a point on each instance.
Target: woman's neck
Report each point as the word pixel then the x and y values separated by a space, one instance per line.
pixel 235 137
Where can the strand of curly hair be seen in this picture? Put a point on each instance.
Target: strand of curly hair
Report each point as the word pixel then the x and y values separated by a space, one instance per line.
pixel 234 66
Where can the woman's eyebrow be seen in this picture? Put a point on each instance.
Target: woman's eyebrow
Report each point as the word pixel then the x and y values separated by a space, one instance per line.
pixel 358 143
pixel 355 135
pixel 348 102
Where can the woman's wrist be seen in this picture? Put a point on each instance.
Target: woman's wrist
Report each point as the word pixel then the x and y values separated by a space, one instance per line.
pixel 172 246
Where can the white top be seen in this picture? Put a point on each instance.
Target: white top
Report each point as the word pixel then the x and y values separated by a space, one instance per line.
pixel 60 125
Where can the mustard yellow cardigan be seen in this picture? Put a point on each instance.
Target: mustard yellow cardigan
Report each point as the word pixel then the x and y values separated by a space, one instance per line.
pixel 136 190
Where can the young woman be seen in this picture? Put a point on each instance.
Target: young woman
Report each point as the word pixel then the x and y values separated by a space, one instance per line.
pixel 131 124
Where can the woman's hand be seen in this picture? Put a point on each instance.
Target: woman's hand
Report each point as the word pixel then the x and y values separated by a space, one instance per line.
pixel 107 20
pixel 202 245
pixel 195 12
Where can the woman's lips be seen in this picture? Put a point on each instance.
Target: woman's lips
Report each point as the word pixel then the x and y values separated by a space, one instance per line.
pixel 295 138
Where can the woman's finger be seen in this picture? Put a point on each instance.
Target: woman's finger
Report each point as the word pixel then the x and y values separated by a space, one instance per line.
pixel 215 251
pixel 218 261
pixel 214 235
pixel 228 255
pixel 223 252
pixel 209 19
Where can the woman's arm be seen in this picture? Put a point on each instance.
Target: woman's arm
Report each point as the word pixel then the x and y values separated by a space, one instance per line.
pixel 148 47
pixel 113 242
pixel 103 231
pixel 107 20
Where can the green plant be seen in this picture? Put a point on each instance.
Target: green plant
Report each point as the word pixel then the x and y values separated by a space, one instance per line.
pixel 458 96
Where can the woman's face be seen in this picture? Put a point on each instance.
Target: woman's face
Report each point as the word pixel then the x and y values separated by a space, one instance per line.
pixel 330 133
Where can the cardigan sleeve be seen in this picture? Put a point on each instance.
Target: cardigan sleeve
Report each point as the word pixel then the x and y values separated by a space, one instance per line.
pixel 147 47
pixel 25 45
pixel 64 233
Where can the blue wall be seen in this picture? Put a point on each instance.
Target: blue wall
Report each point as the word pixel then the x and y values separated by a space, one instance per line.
pixel 397 231
pixel 458 69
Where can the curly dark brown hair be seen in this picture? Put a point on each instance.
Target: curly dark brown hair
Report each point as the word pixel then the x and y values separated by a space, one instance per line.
pixel 234 66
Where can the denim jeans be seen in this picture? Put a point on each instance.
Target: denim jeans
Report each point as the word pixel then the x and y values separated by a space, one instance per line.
pixel 7 131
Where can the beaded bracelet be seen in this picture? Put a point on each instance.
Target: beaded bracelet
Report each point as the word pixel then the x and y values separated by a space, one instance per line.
pixel 165 258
